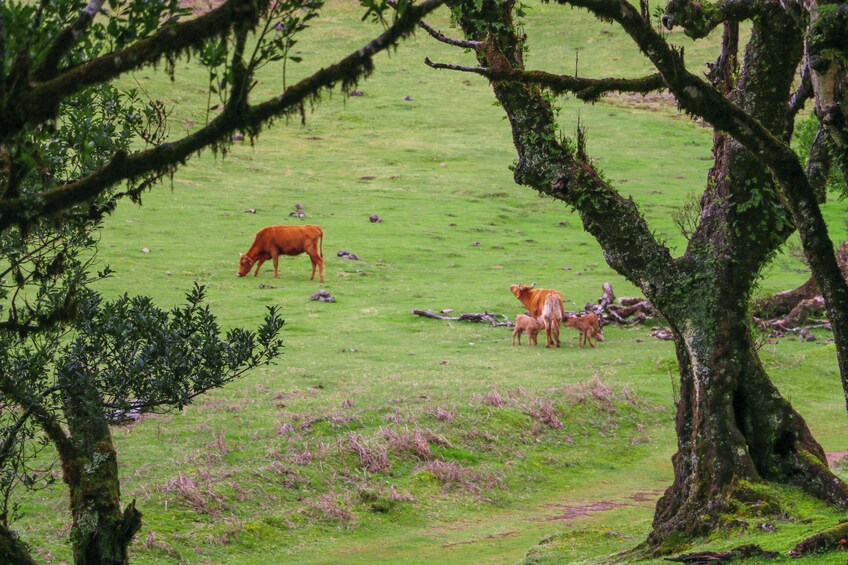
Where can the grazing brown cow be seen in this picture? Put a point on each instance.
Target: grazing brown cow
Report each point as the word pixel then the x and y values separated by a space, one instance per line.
pixel 588 326
pixel 273 241
pixel 535 300
pixel 524 323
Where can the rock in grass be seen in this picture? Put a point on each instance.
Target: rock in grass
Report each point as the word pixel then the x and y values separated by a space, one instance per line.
pixel 322 296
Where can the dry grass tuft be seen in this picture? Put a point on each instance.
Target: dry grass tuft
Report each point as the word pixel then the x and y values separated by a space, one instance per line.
pixel 442 414
pixel 416 441
pixel 199 497
pixel 453 475
pixel 373 458
pixel 327 508
pixel 493 398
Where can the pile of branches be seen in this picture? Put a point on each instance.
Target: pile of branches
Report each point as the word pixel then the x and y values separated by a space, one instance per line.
pixel 798 310
pixel 625 311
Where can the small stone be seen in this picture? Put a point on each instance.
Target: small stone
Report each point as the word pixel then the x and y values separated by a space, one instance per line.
pixel 238 137
pixel 566 268
pixel 407 98
pixel 443 165
pixel 250 210
pixel 375 219
pixel 356 93
pixel 298 206
pixel 476 244
pixel 145 250
pixel 169 273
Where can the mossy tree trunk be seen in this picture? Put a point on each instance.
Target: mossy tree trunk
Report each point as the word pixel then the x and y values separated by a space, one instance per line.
pixel 733 426
pixel 101 531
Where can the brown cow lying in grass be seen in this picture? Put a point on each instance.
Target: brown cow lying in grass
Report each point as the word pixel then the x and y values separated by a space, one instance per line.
pixel 524 323
pixel 588 326
pixel 273 241
pixel 543 304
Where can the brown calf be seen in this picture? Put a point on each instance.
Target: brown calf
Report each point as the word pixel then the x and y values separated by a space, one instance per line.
pixel 524 323
pixel 588 326
pixel 273 241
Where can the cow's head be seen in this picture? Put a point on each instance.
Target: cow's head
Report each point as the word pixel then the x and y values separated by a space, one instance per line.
pixel 520 289
pixel 245 263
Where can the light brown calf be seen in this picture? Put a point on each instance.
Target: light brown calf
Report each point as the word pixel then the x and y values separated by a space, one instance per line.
pixel 524 323
pixel 588 326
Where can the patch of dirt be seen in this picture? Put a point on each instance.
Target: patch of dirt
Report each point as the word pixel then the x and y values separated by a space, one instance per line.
pixel 834 456
pixel 572 512
pixel 650 496
pixel 489 537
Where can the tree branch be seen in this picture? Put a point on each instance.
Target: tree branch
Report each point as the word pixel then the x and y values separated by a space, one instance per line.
pixel 48 422
pixel 25 209
pixel 698 19
pixel 65 40
pixel 40 102
pixel 586 89
pixel 800 96
pixel 439 36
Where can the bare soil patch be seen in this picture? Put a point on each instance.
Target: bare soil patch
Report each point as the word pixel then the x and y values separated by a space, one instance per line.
pixel 489 537
pixel 579 511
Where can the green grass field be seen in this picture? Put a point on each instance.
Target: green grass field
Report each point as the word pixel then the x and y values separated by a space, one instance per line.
pixel 384 437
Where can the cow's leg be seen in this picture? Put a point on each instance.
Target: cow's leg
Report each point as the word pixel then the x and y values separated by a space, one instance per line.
pixel 313 256
pixel 275 257
pixel 258 264
pixel 555 328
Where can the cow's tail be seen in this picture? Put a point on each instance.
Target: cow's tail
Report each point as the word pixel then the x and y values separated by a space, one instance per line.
pixel 321 245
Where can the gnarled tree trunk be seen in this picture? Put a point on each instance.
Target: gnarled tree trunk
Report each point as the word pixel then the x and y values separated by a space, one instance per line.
pixel 733 426
pixel 101 532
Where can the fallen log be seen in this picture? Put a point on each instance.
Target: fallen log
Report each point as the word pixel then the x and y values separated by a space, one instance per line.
pixel 481 317
pixel 781 303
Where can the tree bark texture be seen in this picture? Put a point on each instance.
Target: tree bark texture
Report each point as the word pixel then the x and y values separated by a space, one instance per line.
pixel 733 426
pixel 101 531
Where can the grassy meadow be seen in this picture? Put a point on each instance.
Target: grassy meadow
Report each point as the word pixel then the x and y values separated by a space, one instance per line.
pixel 385 437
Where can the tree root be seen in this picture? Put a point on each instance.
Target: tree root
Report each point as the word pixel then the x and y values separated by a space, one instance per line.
pixel 832 539
pixel 742 552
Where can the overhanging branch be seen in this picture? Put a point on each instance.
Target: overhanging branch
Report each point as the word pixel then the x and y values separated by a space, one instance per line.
pixel 359 64
pixel 40 102
pixel 586 89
